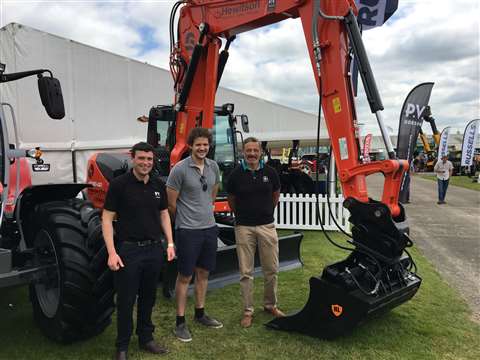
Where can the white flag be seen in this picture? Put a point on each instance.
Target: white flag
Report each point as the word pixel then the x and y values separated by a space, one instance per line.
pixel 469 140
pixel 443 146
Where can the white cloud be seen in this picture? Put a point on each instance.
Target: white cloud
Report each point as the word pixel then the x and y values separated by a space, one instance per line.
pixel 428 40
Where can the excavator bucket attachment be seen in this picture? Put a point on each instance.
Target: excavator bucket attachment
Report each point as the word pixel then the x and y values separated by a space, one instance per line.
pixel 377 276
pixel 336 306
pixel 226 271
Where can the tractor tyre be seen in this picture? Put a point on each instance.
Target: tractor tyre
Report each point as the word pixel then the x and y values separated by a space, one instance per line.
pixel 73 300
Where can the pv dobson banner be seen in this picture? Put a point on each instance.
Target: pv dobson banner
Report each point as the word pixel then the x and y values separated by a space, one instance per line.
pixel 411 119
pixel 443 145
pixel 469 140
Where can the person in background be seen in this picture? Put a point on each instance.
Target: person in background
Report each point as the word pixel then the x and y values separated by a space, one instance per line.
pixel 443 169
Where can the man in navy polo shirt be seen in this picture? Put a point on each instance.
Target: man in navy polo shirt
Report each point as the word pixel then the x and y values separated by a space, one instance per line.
pixel 139 203
pixel 192 188
pixel 253 193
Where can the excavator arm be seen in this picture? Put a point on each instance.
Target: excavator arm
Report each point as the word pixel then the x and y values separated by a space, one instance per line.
pixel 377 275
pixel 197 65
pixel 424 139
pixel 431 120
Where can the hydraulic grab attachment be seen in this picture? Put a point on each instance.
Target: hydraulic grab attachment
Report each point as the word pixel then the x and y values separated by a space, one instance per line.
pixel 377 275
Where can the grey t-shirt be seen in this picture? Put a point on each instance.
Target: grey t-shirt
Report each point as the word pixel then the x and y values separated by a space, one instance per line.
pixel 194 206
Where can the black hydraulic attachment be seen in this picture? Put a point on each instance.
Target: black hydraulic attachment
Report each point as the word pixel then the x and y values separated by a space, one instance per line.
pixel 376 277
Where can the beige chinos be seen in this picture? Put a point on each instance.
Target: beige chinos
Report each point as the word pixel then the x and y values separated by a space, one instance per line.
pixel 248 237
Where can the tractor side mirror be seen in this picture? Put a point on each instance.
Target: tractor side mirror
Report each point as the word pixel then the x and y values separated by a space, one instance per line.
pixel 51 95
pixel 244 119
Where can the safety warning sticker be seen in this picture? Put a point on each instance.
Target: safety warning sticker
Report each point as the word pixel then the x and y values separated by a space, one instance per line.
pixel 342 142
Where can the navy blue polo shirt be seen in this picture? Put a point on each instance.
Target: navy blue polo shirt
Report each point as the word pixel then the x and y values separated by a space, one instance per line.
pixel 137 205
pixel 253 191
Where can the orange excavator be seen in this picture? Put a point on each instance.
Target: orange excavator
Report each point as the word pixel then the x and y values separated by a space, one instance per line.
pixel 379 273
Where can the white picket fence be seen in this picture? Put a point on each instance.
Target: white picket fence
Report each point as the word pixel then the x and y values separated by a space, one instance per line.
pixel 300 212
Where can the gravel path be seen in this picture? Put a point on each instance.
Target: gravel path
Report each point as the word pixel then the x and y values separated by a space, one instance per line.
pixel 448 235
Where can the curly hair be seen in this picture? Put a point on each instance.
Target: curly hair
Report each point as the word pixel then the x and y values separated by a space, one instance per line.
pixel 199 132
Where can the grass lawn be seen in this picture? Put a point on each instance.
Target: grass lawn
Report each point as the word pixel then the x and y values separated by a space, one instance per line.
pixel 462 181
pixel 433 325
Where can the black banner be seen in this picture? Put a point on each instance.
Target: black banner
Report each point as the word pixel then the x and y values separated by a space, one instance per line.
pixel 411 119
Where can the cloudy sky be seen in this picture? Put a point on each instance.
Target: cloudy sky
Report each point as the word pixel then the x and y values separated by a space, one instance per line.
pixel 425 40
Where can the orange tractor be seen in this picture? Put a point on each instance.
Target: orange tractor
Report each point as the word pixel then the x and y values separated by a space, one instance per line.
pixel 51 240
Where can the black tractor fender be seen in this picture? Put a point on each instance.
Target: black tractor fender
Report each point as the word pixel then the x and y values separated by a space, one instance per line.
pixel 35 195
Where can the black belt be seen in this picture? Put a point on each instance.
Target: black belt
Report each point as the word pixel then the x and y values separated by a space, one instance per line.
pixel 143 243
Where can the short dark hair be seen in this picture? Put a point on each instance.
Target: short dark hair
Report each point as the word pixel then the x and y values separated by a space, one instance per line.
pixel 199 132
pixel 250 140
pixel 141 146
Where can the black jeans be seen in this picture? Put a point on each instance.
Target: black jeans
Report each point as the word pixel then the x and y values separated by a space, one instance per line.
pixel 138 277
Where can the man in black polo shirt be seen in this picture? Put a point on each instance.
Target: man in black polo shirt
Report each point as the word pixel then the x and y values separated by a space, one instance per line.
pixel 253 193
pixel 139 203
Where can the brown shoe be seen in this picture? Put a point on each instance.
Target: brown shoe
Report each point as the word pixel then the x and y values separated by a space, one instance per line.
pixel 247 320
pixel 154 348
pixel 276 312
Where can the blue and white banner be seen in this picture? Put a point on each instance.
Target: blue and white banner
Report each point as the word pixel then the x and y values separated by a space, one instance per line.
pixel 469 140
pixel 373 13
pixel 443 146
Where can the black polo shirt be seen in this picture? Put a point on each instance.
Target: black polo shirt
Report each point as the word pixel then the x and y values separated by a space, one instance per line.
pixel 137 206
pixel 253 191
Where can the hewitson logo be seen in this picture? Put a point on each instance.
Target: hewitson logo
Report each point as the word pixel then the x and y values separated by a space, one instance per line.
pixel 337 310
pixel 236 10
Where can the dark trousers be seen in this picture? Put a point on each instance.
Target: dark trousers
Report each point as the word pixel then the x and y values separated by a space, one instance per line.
pixel 139 278
pixel 442 189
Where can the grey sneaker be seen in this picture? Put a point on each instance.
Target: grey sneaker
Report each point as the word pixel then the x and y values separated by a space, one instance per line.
pixel 209 322
pixel 182 333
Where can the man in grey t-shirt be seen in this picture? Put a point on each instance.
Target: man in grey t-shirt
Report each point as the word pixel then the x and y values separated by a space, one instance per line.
pixel 192 188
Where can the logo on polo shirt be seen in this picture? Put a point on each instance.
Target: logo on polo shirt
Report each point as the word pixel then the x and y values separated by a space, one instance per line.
pixel 157 194
pixel 265 179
